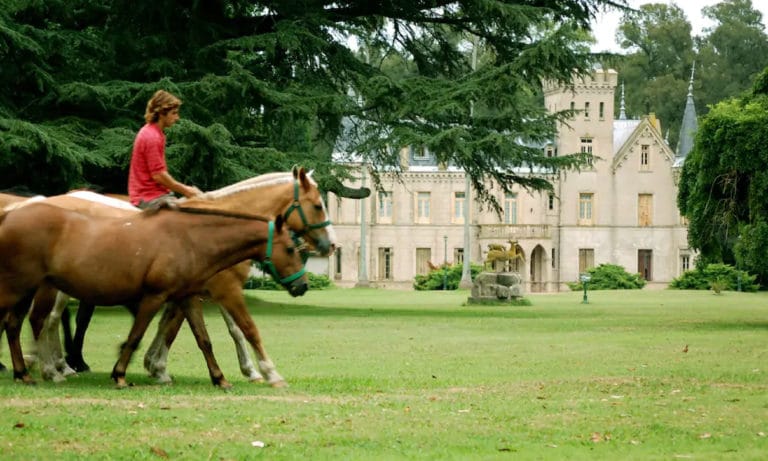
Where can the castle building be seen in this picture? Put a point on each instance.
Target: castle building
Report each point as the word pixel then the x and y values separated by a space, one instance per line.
pixel 621 209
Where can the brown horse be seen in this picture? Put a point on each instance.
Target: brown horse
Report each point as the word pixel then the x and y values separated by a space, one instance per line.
pixel 141 261
pixel 292 194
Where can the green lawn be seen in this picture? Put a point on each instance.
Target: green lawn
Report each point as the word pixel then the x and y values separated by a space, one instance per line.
pixel 380 374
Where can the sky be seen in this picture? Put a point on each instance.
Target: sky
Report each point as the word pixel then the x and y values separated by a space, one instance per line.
pixel 606 23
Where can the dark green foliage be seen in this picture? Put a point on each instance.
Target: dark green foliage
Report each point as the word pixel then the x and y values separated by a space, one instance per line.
pixel 715 276
pixel 451 275
pixel 266 85
pixel 610 277
pixel 724 184
pixel 316 282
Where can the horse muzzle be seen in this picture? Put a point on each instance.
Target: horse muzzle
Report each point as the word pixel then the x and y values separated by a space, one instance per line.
pixel 297 288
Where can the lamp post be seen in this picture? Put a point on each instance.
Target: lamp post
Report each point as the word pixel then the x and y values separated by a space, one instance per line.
pixel 585 278
pixel 445 260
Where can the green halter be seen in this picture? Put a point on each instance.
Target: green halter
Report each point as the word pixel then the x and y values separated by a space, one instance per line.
pixel 296 236
pixel 270 266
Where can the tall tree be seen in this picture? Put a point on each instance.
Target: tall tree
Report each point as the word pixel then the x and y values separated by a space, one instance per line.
pixel 657 67
pixel 268 84
pixel 732 52
pixel 725 181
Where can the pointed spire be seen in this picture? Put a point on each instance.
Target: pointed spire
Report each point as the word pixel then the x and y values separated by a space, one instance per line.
pixel 622 112
pixel 689 125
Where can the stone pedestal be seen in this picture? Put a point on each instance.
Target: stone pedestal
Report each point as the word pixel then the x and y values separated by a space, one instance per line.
pixel 496 288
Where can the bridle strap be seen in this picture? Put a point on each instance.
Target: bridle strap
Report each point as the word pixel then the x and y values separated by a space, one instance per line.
pixel 296 206
pixel 270 266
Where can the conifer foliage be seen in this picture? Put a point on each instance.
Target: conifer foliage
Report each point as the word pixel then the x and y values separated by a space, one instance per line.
pixel 267 85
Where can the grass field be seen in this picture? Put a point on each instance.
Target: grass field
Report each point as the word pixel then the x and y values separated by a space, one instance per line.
pixel 379 374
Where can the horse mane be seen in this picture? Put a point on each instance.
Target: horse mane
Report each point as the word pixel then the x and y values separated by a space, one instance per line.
pixel 264 180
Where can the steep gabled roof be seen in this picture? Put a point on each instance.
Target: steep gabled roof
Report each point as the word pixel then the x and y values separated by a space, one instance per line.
pixel 644 128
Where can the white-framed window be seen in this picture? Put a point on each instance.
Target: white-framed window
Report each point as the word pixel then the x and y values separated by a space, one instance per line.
pixel 337 265
pixel 586 206
pixel 384 208
pixel 685 262
pixel 459 202
pixel 458 255
pixel 420 153
pixel 385 263
pixel 423 202
pixel 586 148
pixel 510 208
pixel 645 161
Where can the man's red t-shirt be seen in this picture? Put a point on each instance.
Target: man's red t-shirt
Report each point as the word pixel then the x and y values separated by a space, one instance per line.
pixel 148 158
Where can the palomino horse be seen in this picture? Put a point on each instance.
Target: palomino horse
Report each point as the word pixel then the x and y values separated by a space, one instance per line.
pixel 142 261
pixel 293 194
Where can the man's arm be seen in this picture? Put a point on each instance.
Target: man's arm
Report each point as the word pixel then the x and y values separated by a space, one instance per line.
pixel 164 178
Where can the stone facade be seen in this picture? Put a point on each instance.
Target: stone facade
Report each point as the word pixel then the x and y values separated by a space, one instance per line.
pixel 621 210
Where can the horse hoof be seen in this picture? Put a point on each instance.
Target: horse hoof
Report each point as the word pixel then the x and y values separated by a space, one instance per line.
pixel 256 378
pixel 27 380
pixel 278 384
pixel 121 383
pixel 224 384
pixel 163 379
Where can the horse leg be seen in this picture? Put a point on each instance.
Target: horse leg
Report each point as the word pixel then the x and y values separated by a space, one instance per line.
pixel 13 319
pixel 74 349
pixel 231 298
pixel 193 311
pixel 147 308
pixel 156 357
pixel 45 316
pixel 247 368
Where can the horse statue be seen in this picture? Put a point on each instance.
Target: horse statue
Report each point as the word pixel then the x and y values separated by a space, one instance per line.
pixel 142 261
pixel 498 253
pixel 293 194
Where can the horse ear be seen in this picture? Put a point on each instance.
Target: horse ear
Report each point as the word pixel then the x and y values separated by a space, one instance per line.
pixel 304 178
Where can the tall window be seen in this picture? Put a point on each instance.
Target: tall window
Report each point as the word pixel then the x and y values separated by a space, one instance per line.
pixel 586 203
pixel 586 148
pixel 423 257
pixel 553 258
pixel 551 201
pixel 337 264
pixel 644 157
pixel 420 153
pixel 586 110
pixel 385 207
pixel 510 208
pixel 602 110
pixel 385 263
pixel 685 263
pixel 458 255
pixel 644 210
pixel 422 207
pixel 573 106
pixel 459 203
pixel 586 259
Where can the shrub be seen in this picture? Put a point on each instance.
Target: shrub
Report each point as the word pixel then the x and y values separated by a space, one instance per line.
pixel 718 277
pixel 610 277
pixel 316 282
pixel 434 279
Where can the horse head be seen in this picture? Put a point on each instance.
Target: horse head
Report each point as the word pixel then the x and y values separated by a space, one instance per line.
pixel 282 260
pixel 307 216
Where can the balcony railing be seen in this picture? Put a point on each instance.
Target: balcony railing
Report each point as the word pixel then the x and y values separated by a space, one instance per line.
pixel 514 231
